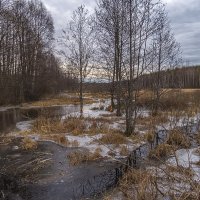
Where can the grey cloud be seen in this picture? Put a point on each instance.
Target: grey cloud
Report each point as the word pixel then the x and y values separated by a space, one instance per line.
pixel 185 21
pixel 184 16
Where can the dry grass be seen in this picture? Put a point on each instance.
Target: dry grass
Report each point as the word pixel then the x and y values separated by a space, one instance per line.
pixel 61 139
pixel 138 184
pixel 113 138
pixel 161 151
pixel 29 144
pixel 151 121
pixel 5 140
pixel 75 125
pixel 78 157
pixel 97 95
pixel 172 99
pixel 178 138
pixel 59 101
pixel 124 151
pixel 150 136
pixel 45 125
pixel 75 143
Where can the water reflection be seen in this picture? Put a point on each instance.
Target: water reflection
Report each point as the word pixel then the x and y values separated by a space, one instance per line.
pixel 11 117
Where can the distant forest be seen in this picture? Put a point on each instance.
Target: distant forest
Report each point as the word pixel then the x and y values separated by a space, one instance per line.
pixel 179 78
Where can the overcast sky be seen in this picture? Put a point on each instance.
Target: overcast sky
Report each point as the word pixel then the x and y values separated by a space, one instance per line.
pixel 184 16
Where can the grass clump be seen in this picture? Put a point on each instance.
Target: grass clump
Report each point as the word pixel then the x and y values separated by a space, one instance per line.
pixel 177 138
pixel 124 151
pixel 113 138
pixel 45 125
pixel 138 184
pixel 150 136
pixel 75 125
pixel 29 144
pixel 78 157
pixel 61 139
pixel 161 151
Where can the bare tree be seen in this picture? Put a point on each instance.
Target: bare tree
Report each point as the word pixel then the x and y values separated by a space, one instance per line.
pixel 26 38
pixel 165 55
pixel 78 43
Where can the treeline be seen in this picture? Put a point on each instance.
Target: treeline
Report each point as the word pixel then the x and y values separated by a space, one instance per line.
pixel 186 77
pixel 28 67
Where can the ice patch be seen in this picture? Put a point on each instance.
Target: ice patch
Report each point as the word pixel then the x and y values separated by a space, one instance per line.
pixel 24 125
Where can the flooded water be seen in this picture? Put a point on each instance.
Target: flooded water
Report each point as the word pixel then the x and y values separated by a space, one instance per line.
pixel 55 178
pixel 46 172
pixel 9 117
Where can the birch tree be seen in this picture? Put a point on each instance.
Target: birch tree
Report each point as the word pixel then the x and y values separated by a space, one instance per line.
pixel 78 44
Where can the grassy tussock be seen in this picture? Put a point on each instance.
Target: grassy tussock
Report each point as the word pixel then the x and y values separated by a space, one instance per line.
pixel 74 125
pixel 113 138
pixel 150 136
pixel 78 157
pixel 138 184
pixel 61 139
pixel 29 144
pixel 124 151
pixel 45 125
pixel 161 151
pixel 177 138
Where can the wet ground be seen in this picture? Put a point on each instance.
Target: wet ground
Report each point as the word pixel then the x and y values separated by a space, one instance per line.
pixel 47 174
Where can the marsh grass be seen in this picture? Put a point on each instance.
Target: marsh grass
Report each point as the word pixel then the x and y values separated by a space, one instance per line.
pixel 124 151
pixel 161 151
pixel 171 99
pixel 177 138
pixel 113 138
pixel 29 144
pixel 59 101
pixel 79 157
pixel 138 184
pixel 151 121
